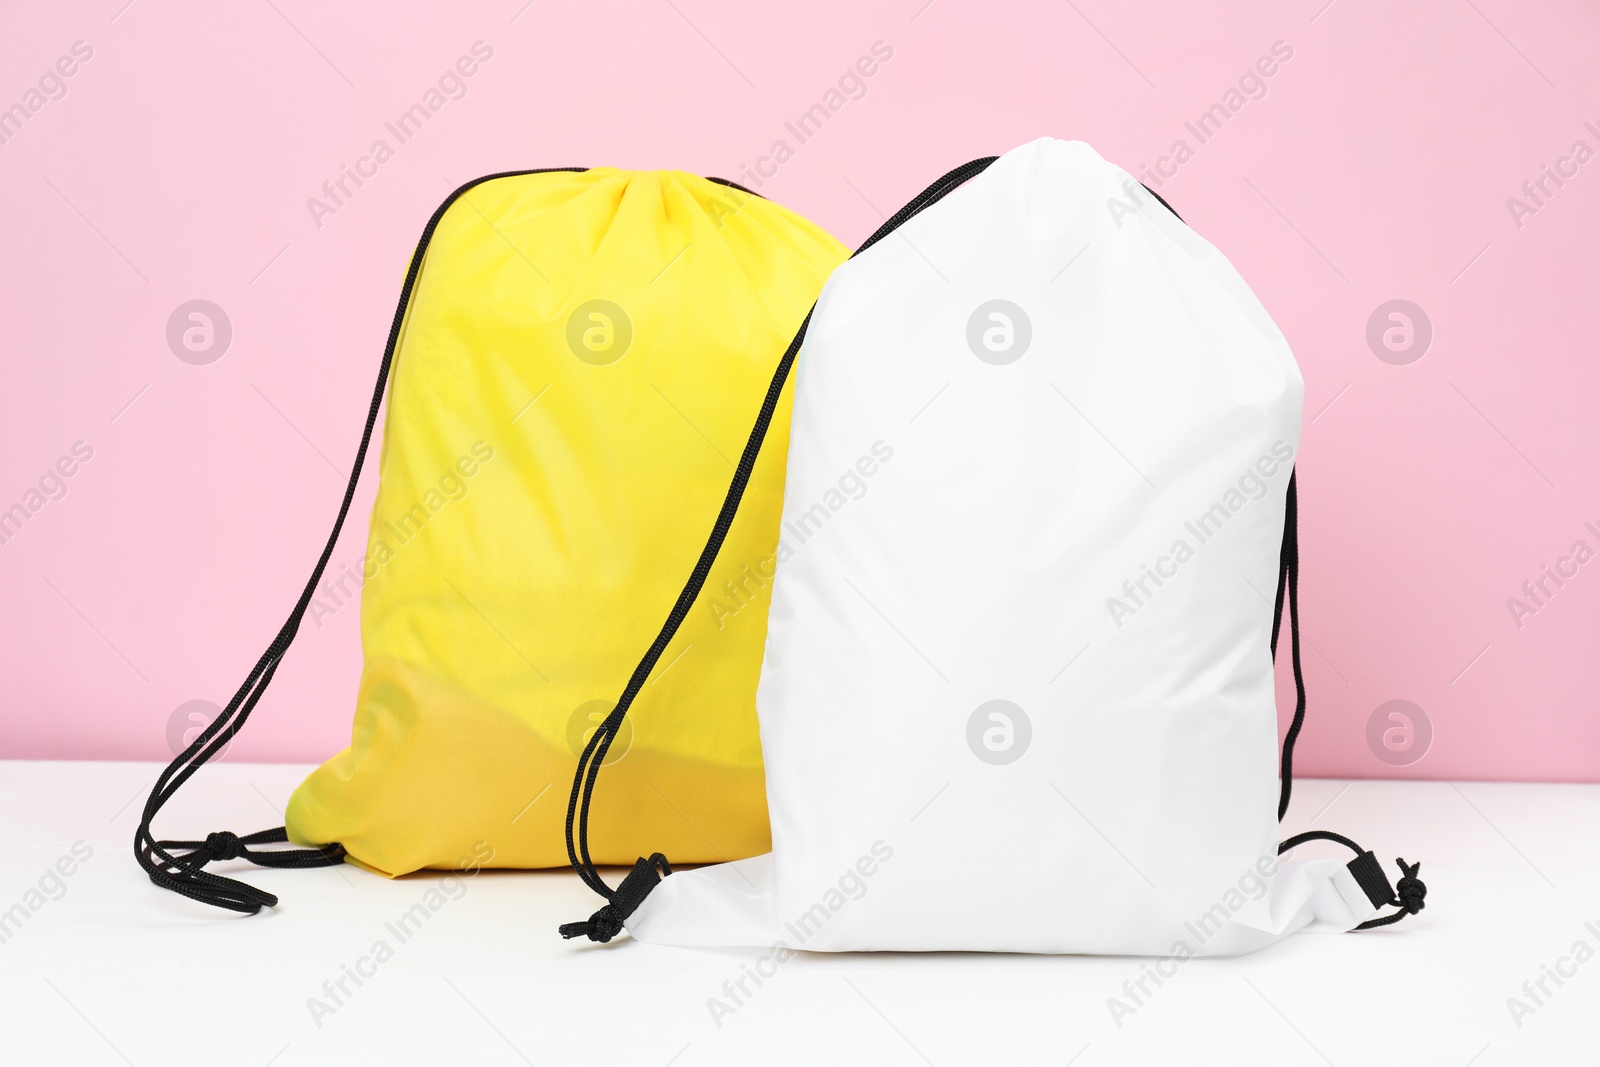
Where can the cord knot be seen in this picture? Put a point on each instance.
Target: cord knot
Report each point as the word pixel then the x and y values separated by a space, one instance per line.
pixel 609 921
pixel 223 845
pixel 602 926
pixel 1409 891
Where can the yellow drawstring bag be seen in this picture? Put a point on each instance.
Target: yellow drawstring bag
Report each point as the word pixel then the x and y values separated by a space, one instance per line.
pixel 577 360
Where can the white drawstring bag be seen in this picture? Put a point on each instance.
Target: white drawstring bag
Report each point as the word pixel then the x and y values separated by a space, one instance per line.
pixel 1038 530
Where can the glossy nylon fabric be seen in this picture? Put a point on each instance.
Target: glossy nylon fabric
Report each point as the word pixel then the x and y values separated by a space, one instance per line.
pixel 1001 707
pixel 582 355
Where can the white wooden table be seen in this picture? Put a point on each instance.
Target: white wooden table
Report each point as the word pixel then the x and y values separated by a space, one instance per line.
pixel 106 969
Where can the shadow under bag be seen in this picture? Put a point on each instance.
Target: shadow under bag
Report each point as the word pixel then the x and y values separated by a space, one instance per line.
pixel 1038 537
pixel 575 357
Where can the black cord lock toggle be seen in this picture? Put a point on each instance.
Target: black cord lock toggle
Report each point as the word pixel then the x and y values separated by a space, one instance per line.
pixel 1409 894
pixel 608 922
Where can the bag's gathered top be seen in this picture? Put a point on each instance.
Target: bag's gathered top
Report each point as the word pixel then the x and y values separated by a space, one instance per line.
pixel 1038 542
pixel 574 359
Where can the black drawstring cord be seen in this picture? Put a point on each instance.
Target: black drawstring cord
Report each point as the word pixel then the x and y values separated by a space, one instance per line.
pixel 223 845
pixel 182 873
pixel 607 922
pixel 1409 894
pixel 1289 581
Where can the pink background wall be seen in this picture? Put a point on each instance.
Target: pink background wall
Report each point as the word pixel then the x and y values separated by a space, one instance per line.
pixel 1376 165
